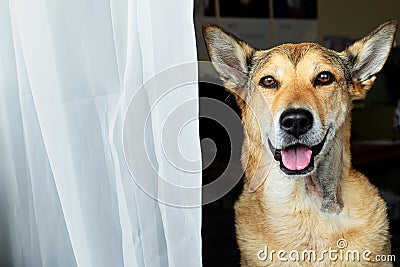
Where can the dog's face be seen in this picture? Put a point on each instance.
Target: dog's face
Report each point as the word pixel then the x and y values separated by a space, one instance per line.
pixel 298 95
pixel 295 97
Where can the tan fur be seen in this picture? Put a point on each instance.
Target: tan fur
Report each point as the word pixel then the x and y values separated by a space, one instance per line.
pixel 289 213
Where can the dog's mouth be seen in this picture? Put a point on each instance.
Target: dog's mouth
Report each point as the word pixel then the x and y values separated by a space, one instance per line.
pixel 297 159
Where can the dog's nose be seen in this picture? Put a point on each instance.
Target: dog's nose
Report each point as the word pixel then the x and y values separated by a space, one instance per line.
pixel 296 121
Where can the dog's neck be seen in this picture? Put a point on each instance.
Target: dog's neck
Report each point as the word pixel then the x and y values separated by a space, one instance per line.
pixel 324 184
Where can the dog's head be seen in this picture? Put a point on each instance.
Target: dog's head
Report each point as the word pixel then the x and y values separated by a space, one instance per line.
pixel 295 97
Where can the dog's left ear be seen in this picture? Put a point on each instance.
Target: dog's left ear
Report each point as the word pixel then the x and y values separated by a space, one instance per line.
pixel 367 57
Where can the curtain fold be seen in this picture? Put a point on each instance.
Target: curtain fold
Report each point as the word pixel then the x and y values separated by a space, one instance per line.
pixel 72 173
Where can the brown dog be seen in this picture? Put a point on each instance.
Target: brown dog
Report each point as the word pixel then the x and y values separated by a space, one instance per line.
pixel 302 200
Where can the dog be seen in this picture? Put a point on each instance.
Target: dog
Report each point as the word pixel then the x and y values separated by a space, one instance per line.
pixel 301 198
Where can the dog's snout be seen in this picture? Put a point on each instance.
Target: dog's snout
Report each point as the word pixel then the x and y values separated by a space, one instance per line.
pixel 296 121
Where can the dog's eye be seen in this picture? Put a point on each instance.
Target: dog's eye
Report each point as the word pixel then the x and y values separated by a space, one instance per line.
pixel 268 82
pixel 324 78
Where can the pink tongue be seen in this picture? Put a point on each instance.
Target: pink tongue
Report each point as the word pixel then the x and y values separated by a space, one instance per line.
pixel 296 158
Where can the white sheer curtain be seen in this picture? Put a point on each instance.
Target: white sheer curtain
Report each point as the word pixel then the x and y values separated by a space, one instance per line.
pixel 69 70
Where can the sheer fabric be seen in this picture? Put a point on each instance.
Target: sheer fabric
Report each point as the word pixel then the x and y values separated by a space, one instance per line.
pixel 68 72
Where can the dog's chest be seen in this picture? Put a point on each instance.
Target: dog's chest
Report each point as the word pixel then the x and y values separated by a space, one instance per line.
pixel 286 218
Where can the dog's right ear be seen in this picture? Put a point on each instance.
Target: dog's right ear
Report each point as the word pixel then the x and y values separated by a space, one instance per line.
pixel 229 55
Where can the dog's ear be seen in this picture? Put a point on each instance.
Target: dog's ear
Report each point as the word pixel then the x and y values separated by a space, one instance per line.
pixel 229 55
pixel 367 57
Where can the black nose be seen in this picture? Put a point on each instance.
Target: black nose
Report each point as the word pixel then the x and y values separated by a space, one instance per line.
pixel 296 121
